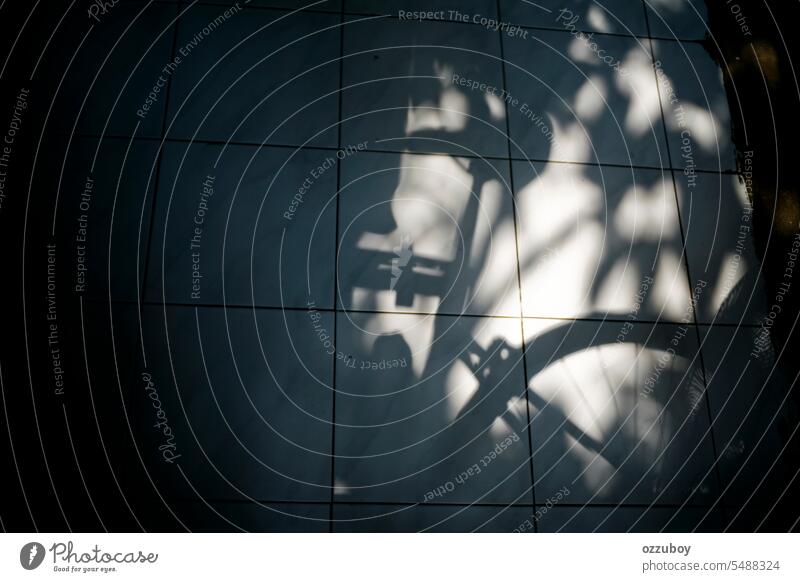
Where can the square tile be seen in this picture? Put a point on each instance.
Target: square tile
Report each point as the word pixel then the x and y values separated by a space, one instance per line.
pixel 614 16
pixel 630 520
pixel 259 221
pixel 430 409
pixel 401 91
pixel 103 218
pixel 427 233
pixel 600 242
pixel 695 107
pixel 255 425
pixel 581 99
pixel 618 416
pixel 426 518
pixel 718 225
pixel 107 86
pixel 683 19
pixel 260 75
pixel 747 394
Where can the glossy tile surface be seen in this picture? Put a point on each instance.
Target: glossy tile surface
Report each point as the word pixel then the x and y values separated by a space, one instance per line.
pixel 430 408
pixel 401 91
pixel 427 518
pixel 618 421
pixel 582 99
pixel 682 19
pixel 242 408
pixel 609 16
pixel 696 110
pixel 261 76
pixel 358 307
pixel 718 223
pixel 600 242
pixel 244 226
pixel 429 234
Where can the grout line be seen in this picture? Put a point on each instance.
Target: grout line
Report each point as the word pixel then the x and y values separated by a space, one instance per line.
pixel 439 503
pixel 335 311
pixel 155 187
pixel 662 169
pixel 685 255
pixel 420 314
pixel 157 175
pixel 470 23
pixel 529 431
pixel 336 266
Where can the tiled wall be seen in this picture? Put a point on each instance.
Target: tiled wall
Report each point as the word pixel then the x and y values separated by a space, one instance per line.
pixel 554 228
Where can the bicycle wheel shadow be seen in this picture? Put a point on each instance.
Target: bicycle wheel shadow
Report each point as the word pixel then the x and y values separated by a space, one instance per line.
pixel 606 415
